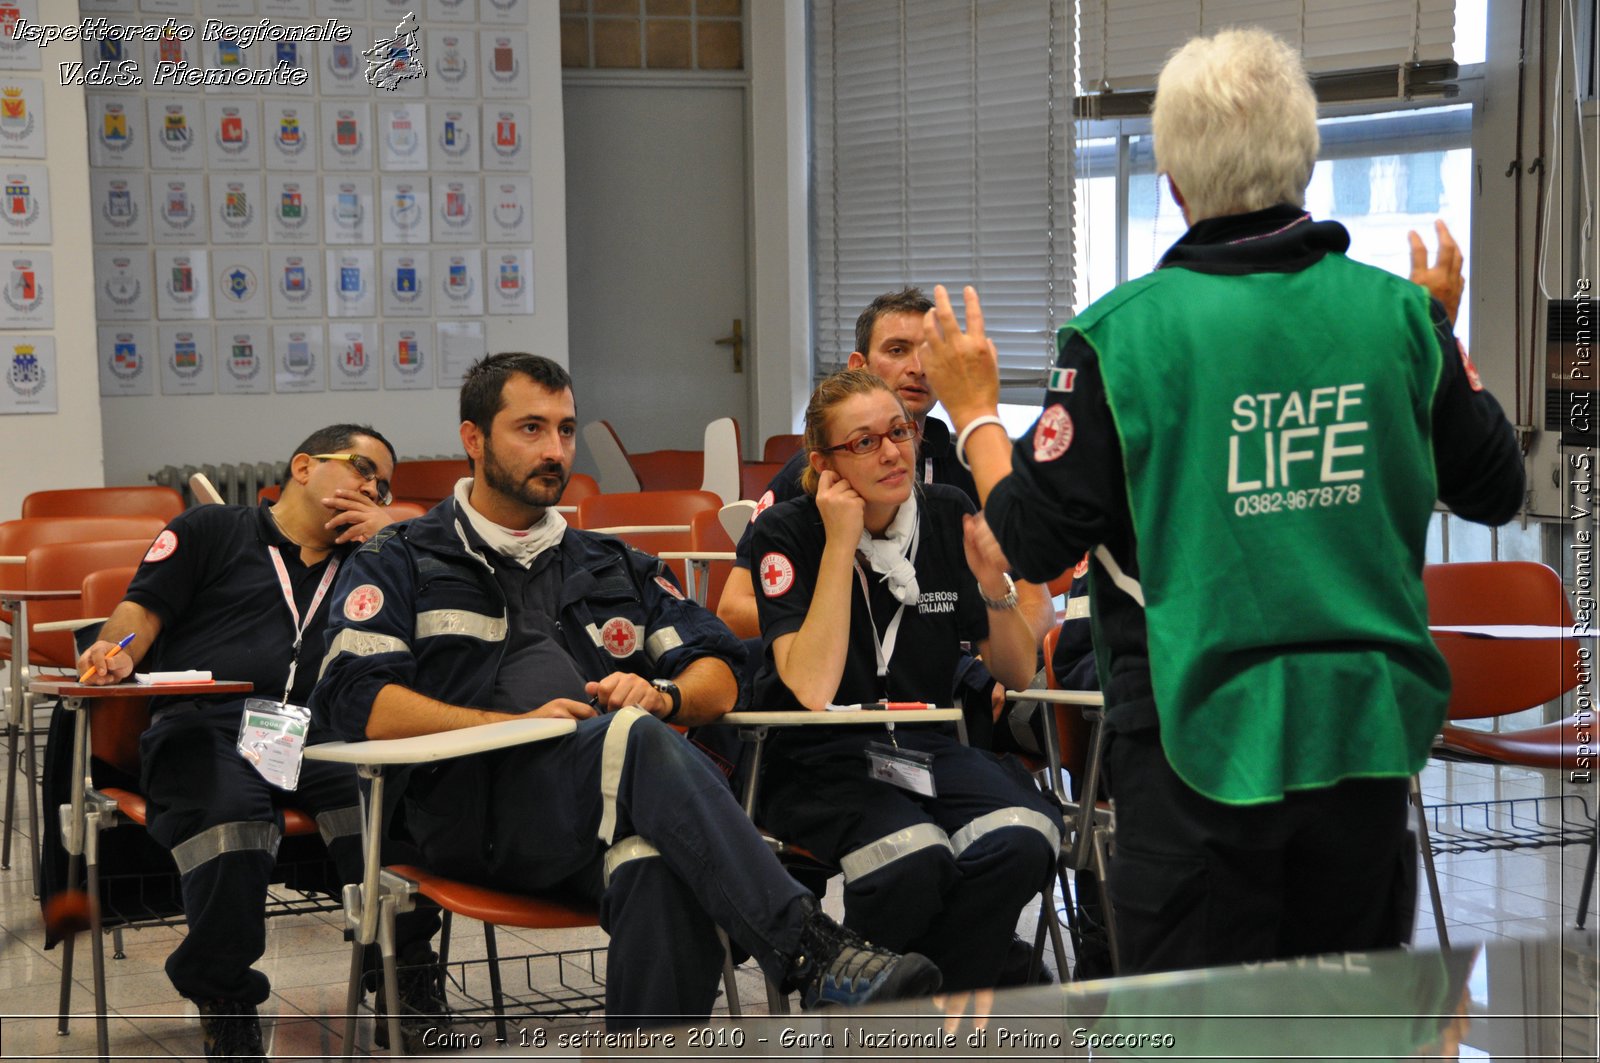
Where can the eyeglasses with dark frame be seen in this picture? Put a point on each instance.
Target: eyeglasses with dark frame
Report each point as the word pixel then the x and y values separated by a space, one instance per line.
pixel 365 468
pixel 869 442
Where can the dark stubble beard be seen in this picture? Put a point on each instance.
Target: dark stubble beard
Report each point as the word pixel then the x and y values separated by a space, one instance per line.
pixel 531 491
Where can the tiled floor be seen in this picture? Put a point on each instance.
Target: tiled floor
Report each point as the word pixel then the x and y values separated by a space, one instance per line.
pixel 1510 894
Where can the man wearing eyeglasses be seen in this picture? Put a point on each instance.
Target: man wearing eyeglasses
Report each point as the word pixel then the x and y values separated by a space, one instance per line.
pixel 242 592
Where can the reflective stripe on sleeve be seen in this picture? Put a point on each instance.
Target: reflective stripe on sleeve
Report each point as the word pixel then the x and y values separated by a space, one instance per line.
pixel 628 849
pixel 225 838
pixel 612 755
pixel 461 622
pixel 1001 818
pixel 661 642
pixel 339 823
pixel 361 644
pixel 1125 583
pixel 891 847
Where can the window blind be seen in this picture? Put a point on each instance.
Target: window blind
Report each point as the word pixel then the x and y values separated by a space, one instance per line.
pixel 1124 43
pixel 941 154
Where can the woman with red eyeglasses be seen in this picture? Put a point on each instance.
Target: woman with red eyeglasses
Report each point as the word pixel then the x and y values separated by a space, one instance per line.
pixel 867 586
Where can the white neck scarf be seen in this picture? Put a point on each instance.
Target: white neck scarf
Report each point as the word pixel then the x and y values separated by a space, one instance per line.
pixel 893 557
pixel 520 546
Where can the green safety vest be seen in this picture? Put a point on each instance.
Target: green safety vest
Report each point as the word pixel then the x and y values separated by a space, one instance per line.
pixel 1276 433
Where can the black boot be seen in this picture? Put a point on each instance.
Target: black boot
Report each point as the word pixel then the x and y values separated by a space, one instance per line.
pixel 232 1030
pixel 835 966
pixel 1019 968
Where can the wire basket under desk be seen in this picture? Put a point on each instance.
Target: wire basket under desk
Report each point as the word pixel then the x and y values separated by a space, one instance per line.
pixel 1511 823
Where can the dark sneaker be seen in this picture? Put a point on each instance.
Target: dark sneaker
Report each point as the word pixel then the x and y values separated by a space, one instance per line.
pixel 836 967
pixel 422 1003
pixel 232 1030
pixel 1019 968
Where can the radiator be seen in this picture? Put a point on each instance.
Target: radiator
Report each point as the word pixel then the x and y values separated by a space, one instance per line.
pixel 239 484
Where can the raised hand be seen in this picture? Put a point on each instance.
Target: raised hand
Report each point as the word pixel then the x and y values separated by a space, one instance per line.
pixel 961 366
pixel 1443 279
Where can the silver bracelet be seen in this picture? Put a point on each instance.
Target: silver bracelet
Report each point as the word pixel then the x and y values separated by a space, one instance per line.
pixel 961 440
pixel 1008 602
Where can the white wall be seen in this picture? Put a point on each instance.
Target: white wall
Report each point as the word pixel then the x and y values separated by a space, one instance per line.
pixel 780 250
pixel 143 433
pixel 61 449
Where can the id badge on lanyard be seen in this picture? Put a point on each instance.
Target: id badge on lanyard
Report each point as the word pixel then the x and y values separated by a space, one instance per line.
pixel 272 735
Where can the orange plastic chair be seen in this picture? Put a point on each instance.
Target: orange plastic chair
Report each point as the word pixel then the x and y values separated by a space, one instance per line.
pixel 427 482
pixel 707 534
pixel 668 470
pixel 153 501
pixel 780 448
pixel 651 521
pixel 1497 677
pixel 65 566
pixel 17 537
pixel 386 890
pixel 754 476
pixel 579 487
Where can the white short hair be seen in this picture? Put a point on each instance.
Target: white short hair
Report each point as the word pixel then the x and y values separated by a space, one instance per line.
pixel 1235 123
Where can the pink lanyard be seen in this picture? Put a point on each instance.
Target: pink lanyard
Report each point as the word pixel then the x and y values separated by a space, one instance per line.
pixel 311 611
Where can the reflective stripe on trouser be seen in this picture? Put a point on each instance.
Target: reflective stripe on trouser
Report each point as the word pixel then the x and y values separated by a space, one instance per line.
pixel 891 847
pixel 226 838
pixel 337 823
pixel 224 897
pixel 613 757
pixel 1000 819
pixel 625 851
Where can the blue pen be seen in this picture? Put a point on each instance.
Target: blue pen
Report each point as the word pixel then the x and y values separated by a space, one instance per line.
pixel 118 648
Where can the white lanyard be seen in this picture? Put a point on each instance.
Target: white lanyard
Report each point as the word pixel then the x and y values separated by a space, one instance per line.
pixel 885 648
pixel 311 611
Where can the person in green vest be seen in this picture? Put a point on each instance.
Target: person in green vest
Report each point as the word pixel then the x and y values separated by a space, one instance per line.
pixel 1249 442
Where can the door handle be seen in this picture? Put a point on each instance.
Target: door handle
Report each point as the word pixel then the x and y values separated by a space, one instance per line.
pixel 736 341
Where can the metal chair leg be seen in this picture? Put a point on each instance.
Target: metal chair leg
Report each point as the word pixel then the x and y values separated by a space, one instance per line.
pixel 1102 863
pixel 30 778
pixel 730 981
pixel 12 738
pixel 352 998
pixel 64 1008
pixel 91 845
pixel 1425 843
pixel 391 977
pixel 495 995
pixel 1587 888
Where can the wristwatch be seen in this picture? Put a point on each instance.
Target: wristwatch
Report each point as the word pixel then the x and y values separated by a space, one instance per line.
pixel 674 695
pixel 1007 602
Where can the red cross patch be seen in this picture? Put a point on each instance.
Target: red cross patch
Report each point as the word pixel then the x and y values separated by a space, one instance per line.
pixel 363 603
pixel 1053 434
pixel 620 637
pixel 666 585
pixel 777 575
pixel 762 505
pixel 164 546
